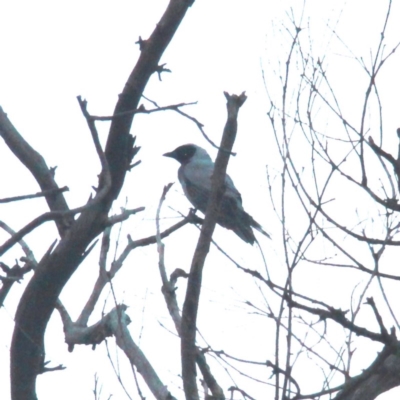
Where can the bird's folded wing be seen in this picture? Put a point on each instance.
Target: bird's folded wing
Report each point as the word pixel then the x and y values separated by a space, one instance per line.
pixel 231 210
pixel 200 173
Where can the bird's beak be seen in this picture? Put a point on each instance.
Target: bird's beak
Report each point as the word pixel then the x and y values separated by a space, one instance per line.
pixel 170 154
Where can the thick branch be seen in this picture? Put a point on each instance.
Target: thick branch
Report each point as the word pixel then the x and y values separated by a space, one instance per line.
pixel 114 324
pixel 42 292
pixel 118 325
pixel 382 375
pixel 191 304
pixel 36 165
pixel 119 150
pixel 54 215
pixel 169 291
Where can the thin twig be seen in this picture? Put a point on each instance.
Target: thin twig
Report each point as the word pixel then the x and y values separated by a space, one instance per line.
pixel 32 196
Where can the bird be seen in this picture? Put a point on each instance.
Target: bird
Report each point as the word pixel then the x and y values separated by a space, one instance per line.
pixel 195 174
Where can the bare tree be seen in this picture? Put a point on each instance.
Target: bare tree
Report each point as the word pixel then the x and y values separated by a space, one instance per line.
pixel 53 271
pixel 78 229
pixel 336 198
pixel 345 181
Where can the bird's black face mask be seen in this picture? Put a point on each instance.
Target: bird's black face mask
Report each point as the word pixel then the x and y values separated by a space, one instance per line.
pixel 182 154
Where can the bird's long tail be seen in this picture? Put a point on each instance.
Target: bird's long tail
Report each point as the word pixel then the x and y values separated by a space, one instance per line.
pixel 243 227
pixel 257 226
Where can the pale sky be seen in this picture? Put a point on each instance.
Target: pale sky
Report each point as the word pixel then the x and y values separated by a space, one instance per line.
pixel 52 52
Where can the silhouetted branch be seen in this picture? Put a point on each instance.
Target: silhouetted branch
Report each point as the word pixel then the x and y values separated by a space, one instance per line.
pixel 382 375
pixel 118 325
pixel 339 317
pixel 233 389
pixel 13 274
pixel 32 196
pixel 36 165
pixel 49 216
pixel 384 332
pixel 39 298
pixel 125 214
pixel 199 125
pixel 142 110
pixel 16 273
pixel 105 276
pixel 381 153
pixel 190 307
pixel 168 287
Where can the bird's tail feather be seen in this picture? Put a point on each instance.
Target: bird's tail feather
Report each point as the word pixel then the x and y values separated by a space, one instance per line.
pixel 245 233
pixel 257 226
pixel 243 228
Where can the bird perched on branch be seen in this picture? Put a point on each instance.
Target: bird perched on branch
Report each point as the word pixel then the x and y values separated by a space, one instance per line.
pixel 195 177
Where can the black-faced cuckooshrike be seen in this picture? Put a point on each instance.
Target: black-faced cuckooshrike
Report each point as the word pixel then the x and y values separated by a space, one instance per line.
pixel 195 177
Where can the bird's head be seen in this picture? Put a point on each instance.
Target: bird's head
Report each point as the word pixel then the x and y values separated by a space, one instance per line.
pixel 187 152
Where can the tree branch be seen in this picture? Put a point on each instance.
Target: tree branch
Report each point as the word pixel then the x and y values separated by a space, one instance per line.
pixel 37 167
pixel 118 325
pixel 32 196
pixel 382 375
pixel 42 292
pixel 339 317
pixel 191 304
pixel 169 291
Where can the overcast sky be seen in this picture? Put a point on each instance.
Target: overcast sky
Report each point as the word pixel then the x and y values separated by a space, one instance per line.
pixel 52 52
